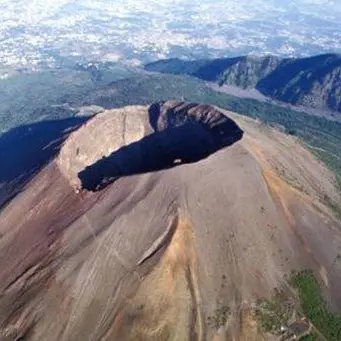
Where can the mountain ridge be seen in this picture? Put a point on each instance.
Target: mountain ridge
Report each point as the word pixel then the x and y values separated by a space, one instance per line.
pixel 312 81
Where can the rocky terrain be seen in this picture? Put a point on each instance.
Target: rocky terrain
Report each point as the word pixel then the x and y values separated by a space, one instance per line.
pixel 312 82
pixel 165 222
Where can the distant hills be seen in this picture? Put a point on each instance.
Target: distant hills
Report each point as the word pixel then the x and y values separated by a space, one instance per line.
pixel 313 82
pixel 28 98
pixel 56 94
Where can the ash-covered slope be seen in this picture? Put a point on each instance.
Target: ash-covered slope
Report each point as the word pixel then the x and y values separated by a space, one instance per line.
pixel 182 251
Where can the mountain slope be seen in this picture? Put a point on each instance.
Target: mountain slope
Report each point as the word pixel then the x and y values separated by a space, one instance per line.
pixel 313 82
pixel 24 98
pixel 182 251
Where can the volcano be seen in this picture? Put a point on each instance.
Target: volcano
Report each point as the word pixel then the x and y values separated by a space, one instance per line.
pixel 165 222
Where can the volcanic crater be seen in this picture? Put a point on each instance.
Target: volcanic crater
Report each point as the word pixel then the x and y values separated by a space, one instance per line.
pixel 153 219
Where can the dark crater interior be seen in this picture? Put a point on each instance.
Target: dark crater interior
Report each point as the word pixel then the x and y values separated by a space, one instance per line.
pixel 182 133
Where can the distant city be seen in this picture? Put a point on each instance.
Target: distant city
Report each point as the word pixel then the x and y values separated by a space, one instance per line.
pixel 42 34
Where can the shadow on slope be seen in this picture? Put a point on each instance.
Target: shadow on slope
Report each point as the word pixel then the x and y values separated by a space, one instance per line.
pixel 205 69
pixel 294 78
pixel 25 149
pixel 181 142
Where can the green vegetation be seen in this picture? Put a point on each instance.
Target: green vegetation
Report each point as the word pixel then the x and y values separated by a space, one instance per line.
pixel 314 307
pixel 220 317
pixel 276 312
pixel 26 98
pixel 292 81
pixel 322 136
pixel 177 66
pixel 310 337
pixel 283 307
pixel 335 207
